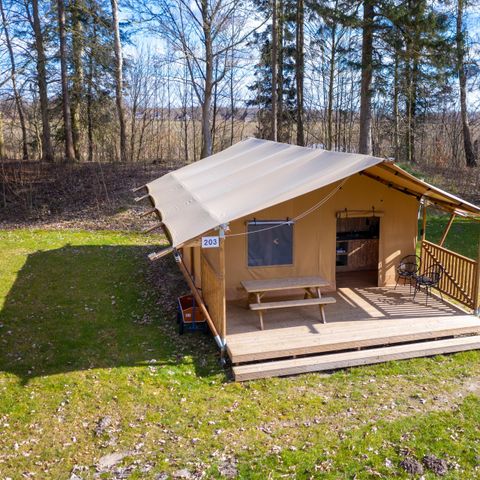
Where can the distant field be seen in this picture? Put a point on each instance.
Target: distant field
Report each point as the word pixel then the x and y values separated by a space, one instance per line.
pixel 96 383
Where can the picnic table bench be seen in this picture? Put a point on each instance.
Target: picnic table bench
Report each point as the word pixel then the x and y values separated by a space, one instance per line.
pixel 310 285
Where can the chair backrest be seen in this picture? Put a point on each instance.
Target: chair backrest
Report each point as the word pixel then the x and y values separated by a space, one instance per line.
pixel 409 264
pixel 434 273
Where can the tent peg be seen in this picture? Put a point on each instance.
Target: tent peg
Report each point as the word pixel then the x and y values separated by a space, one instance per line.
pixel 137 189
pixel 157 255
pixel 139 199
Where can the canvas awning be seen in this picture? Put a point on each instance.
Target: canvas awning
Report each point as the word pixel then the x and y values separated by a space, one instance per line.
pixel 256 174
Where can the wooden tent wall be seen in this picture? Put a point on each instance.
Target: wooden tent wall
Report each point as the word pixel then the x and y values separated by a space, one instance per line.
pixel 314 241
pixel 212 263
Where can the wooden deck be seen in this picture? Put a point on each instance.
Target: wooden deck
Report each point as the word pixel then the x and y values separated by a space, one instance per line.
pixel 368 319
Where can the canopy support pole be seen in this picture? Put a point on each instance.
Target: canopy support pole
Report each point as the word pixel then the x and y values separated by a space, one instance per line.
pixel 447 229
pixel 424 221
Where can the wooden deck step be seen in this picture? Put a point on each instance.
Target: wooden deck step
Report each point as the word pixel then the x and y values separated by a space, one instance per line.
pixel 300 302
pixel 339 336
pixel 334 361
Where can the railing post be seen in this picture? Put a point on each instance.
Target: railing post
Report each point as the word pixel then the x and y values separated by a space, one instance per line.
pixel 476 300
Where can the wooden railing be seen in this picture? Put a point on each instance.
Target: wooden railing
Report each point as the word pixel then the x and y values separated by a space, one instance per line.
pixel 213 293
pixel 460 279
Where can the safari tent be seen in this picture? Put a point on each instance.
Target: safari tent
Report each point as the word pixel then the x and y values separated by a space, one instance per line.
pixel 293 252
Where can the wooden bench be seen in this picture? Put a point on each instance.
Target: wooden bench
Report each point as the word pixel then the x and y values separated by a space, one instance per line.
pixel 260 307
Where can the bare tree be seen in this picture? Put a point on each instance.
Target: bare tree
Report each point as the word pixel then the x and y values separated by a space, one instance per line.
pixel 462 81
pixel 67 119
pixel 77 7
pixel 13 77
pixel 365 140
pixel 47 149
pixel 202 35
pixel 117 45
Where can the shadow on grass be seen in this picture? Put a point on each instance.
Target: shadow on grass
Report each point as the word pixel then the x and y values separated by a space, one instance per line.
pixel 88 307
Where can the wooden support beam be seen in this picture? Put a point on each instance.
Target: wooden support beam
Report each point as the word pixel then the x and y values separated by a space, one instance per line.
pixel 221 261
pixel 155 227
pixel 449 207
pixel 157 255
pixel 139 199
pixel 148 212
pixel 199 300
pixel 424 221
pixel 447 229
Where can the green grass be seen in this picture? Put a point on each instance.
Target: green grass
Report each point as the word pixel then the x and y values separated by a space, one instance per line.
pixel 463 237
pixel 85 334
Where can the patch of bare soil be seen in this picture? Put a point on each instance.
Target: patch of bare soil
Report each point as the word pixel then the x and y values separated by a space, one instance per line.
pixel 84 196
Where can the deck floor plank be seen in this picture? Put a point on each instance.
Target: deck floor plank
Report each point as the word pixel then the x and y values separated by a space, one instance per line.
pixel 362 317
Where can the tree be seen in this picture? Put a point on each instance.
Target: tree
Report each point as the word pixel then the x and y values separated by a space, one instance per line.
pixel 462 82
pixel 300 70
pixel 117 46
pixel 78 14
pixel 34 18
pixel 13 77
pixel 67 120
pixel 274 64
pixel 365 138
pixel 275 74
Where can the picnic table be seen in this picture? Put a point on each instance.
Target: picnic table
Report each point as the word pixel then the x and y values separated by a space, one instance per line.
pixel 310 286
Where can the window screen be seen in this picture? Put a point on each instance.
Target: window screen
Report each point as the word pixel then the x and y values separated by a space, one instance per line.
pixel 270 243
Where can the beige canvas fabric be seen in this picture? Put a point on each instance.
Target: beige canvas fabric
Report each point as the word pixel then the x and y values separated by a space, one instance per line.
pixel 253 175
pixel 249 176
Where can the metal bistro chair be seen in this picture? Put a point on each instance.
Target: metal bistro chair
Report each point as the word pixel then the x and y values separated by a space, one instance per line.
pixel 430 279
pixel 407 269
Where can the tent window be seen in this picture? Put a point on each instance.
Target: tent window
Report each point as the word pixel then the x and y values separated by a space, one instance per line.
pixel 270 243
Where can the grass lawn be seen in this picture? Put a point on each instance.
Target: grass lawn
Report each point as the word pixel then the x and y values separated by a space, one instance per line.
pixel 462 238
pixel 91 365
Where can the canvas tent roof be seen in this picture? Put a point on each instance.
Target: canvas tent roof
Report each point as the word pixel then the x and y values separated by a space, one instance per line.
pixel 255 174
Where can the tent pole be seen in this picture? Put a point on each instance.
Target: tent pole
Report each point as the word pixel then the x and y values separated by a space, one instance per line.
pixel 424 221
pixel 221 255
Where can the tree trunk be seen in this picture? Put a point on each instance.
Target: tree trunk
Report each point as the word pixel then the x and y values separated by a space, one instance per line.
pixel 208 88
pixel 274 70
pixel 331 83
pixel 411 101
pixel 280 72
pixel 67 119
pixel 396 88
pixel 117 46
pixel 300 71
pixel 2 143
pixel 462 80
pixel 78 74
pixel 90 77
pixel 47 149
pixel 13 75
pixel 365 140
